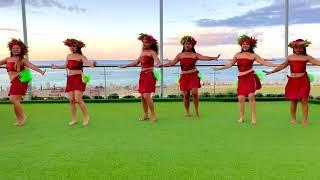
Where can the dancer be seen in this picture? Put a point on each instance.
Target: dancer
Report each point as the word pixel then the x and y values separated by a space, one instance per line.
pixel 298 85
pixel 189 81
pixel 16 66
pixel 147 81
pixel 248 81
pixel 75 80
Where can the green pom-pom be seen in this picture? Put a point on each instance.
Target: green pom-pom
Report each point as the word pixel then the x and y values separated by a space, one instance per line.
pixel 261 75
pixel 312 77
pixel 157 75
pixel 178 80
pixel 200 75
pixel 85 78
pixel 25 76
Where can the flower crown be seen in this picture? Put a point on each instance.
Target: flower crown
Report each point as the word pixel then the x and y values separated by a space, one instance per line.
pixel 149 37
pixel 299 42
pixel 190 39
pixel 23 47
pixel 246 39
pixel 74 42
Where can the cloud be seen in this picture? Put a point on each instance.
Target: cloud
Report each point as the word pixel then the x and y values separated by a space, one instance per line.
pixel 300 12
pixel 5 3
pixel 45 3
pixel 216 38
pixel 9 29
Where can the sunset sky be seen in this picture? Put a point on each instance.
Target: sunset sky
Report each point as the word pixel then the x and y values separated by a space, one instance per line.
pixel 110 27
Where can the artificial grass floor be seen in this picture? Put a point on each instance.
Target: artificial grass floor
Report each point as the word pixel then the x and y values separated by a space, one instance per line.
pixel 117 146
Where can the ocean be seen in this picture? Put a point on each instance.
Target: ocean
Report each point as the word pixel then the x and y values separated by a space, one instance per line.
pixel 101 76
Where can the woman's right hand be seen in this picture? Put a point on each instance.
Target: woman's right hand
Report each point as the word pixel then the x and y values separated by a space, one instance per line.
pixel 122 66
pixel 53 66
pixel 267 72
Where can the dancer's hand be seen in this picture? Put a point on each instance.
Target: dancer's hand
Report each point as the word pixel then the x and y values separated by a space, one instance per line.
pixel 53 66
pixel 267 72
pixel 159 65
pixel 122 66
pixel 94 64
pixel 43 72
pixel 216 69
pixel 218 56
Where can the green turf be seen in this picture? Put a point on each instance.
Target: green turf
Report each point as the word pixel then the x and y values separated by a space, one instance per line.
pixel 118 146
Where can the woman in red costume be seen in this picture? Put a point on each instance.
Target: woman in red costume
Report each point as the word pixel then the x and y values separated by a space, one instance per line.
pixel 147 81
pixel 248 81
pixel 189 81
pixel 75 86
pixel 14 65
pixel 298 85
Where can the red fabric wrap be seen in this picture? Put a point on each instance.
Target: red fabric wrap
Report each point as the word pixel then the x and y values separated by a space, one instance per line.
pixel 297 88
pixel 298 66
pixel 146 62
pixel 74 82
pixel 189 81
pixel 188 64
pixel 147 82
pixel 248 84
pixel 17 87
pixel 74 65
pixel 244 64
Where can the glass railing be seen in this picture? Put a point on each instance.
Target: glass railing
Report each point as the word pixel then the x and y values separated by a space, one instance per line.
pixel 111 80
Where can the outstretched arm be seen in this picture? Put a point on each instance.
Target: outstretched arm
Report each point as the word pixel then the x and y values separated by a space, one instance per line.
pixel 279 68
pixel 133 64
pixel 87 63
pixel 2 62
pixel 33 67
pixel 59 67
pixel 263 61
pixel 156 59
pixel 313 61
pixel 207 58
pixel 172 63
pixel 229 65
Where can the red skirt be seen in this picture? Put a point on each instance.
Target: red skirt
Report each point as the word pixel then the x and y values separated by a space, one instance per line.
pixel 297 88
pixel 74 82
pixel 17 87
pixel 147 82
pixel 248 84
pixel 189 81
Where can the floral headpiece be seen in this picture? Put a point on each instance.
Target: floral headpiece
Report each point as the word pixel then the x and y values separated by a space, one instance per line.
pixel 190 39
pixel 73 42
pixel 149 37
pixel 299 42
pixel 246 39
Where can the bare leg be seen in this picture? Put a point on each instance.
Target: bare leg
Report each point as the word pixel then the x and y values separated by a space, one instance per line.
pixel 144 107
pixel 305 109
pixel 195 96
pixel 186 101
pixel 242 100
pixel 293 110
pixel 252 102
pixel 73 108
pixel 150 104
pixel 18 110
pixel 83 107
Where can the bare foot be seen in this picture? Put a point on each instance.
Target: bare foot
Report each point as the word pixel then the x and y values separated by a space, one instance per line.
pixel 153 118
pixel 241 121
pixel 144 118
pixel 187 114
pixel 294 122
pixel 253 122
pixel 72 122
pixel 305 122
pixel 21 122
pixel 197 115
pixel 86 121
